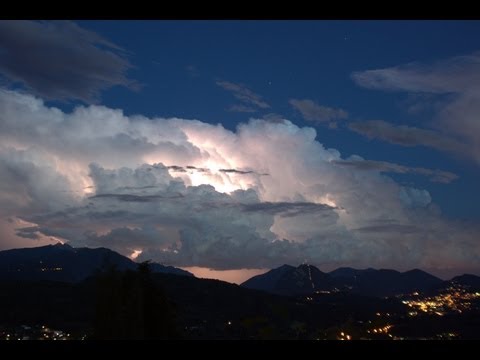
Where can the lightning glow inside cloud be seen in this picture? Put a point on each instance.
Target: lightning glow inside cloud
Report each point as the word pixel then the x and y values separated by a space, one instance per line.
pixel 192 194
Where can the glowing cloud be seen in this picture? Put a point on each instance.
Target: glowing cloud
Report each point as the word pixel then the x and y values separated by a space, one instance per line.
pixel 188 193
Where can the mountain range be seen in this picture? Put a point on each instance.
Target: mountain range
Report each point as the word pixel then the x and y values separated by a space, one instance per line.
pixel 307 279
pixel 61 262
pixel 64 263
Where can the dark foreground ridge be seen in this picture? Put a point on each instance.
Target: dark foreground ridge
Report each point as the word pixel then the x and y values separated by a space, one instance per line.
pixel 126 302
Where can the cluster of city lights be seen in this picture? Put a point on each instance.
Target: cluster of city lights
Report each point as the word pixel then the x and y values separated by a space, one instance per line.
pixel 454 299
pixel 43 332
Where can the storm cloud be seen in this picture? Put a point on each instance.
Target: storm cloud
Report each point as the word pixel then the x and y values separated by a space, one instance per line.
pixel 189 193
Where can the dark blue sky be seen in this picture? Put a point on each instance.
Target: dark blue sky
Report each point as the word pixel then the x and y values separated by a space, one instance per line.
pixel 179 62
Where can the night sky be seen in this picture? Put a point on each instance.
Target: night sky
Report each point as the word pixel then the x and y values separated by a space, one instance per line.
pixel 235 145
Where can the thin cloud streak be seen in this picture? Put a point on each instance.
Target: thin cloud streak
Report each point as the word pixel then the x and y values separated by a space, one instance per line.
pixel 251 101
pixel 317 114
pixel 436 175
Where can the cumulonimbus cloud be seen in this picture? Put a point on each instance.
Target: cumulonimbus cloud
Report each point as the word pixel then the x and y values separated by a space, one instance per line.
pixel 189 193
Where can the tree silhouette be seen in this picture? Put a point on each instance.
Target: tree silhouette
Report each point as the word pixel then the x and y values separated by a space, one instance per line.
pixel 129 305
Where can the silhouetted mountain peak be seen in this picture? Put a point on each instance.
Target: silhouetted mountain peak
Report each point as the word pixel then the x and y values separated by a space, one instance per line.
pixel 389 271
pixel 290 280
pixel 306 279
pixel 285 267
pixel 268 280
pixel 416 271
pixel 62 262
pixel 420 274
pixel 60 245
pixel 469 280
pixel 308 267
pixel 156 267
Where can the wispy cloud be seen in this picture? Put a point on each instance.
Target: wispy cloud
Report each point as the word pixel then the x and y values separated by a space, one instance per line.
pixel 383 166
pixel 407 135
pixel 192 70
pixel 398 228
pixel 453 75
pixel 60 60
pixel 184 169
pixel 242 108
pixel 250 100
pixel 454 82
pixel 134 198
pixel 288 209
pixel 318 114
pixel 274 118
